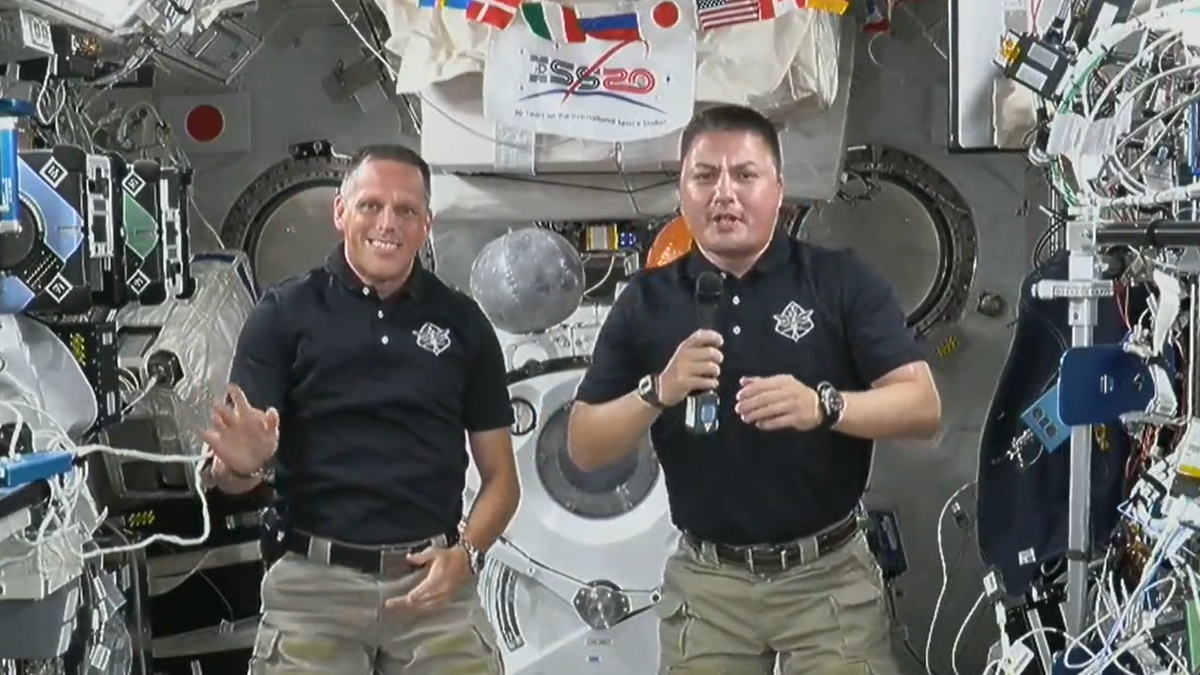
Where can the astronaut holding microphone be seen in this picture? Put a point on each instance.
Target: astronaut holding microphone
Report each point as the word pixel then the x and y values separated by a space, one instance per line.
pixel 764 368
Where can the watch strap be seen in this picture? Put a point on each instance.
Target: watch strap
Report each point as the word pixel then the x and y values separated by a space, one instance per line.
pixel 648 391
pixel 831 404
pixel 474 557
pixel 263 473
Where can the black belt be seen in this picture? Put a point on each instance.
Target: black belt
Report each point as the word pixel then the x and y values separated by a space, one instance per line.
pixel 779 557
pixel 387 560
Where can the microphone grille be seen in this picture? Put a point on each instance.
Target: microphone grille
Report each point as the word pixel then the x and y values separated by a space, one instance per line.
pixel 709 285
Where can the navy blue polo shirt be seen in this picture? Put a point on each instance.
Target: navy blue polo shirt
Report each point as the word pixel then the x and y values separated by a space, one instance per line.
pixel 375 397
pixel 817 314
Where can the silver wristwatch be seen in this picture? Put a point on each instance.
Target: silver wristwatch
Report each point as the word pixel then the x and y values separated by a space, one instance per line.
pixel 264 473
pixel 475 557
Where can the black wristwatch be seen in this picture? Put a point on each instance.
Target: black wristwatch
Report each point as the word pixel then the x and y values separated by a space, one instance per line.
pixel 832 405
pixel 647 390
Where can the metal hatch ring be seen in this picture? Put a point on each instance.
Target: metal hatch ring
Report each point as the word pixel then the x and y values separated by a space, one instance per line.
pixel 949 214
pixel 254 207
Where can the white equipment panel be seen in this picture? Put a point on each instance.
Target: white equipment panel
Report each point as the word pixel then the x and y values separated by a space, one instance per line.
pixel 573 583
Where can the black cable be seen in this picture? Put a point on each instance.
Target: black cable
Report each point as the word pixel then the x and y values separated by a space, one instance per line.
pixel 890 597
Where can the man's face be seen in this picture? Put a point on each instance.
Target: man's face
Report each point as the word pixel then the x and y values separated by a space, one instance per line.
pixel 730 192
pixel 383 216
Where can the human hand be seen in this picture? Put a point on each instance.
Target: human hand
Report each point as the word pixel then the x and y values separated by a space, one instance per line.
pixel 695 366
pixel 778 402
pixel 447 569
pixel 241 436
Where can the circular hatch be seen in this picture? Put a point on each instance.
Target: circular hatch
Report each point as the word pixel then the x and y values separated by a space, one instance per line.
pixel 283 220
pixel 909 223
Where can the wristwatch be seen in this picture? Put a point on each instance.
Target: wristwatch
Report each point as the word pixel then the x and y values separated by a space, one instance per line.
pixel 647 390
pixel 831 404
pixel 475 557
pixel 264 473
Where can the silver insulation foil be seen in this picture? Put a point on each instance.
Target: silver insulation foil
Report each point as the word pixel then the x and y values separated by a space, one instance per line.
pixel 528 280
pixel 196 337
pixel 41 384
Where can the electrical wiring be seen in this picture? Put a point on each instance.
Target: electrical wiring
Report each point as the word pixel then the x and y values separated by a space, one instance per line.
pixel 1119 137
pixel 963 630
pixel 65 492
pixel 941 596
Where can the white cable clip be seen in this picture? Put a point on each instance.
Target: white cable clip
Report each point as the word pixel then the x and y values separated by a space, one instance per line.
pixel 1169 300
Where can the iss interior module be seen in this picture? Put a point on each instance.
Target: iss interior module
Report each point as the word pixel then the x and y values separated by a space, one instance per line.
pixel 573 581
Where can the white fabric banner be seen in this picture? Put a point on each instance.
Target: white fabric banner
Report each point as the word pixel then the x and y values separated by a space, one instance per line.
pixel 616 88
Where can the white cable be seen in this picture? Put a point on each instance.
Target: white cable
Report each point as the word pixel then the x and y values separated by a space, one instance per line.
pixel 937 606
pixel 206 523
pixel 65 491
pixel 963 631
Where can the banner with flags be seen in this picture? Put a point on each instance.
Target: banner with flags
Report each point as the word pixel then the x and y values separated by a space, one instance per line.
pixel 610 77
pixel 561 23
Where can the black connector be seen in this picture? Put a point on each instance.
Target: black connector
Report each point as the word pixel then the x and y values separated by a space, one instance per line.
pixel 1054 34
pixel 165 368
pixel 961 519
pixel 1034 62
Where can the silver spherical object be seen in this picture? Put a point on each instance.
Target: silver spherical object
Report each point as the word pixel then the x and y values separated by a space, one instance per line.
pixel 528 280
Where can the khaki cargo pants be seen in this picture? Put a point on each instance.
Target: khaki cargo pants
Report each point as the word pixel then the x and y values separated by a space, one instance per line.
pixel 323 619
pixel 826 617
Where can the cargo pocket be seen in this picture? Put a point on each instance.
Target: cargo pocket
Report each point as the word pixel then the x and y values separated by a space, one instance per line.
pixel 861 618
pixel 674 622
pixel 266 644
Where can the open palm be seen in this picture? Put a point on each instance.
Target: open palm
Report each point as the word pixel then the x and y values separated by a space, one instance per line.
pixel 240 435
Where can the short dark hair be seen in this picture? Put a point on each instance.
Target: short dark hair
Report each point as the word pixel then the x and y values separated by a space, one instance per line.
pixel 731 118
pixel 390 152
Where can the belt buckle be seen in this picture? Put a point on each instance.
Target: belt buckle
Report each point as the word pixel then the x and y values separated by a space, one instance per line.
pixel 394 562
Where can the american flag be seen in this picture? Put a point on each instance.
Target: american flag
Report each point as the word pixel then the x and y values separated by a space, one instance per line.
pixel 717 13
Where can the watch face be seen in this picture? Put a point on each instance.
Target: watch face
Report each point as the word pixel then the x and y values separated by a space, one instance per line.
pixel 646 386
pixel 831 400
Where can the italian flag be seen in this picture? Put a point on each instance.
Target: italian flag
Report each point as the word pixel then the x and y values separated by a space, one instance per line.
pixel 553 22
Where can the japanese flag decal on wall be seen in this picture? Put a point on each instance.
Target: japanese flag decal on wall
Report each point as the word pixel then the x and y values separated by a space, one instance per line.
pixel 612 77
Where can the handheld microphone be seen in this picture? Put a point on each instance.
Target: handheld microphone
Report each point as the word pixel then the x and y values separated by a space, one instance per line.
pixel 702 413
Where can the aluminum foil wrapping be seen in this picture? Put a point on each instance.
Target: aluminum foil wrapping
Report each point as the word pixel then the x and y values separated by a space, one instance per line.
pixel 201 332
pixel 41 384
pixel 528 280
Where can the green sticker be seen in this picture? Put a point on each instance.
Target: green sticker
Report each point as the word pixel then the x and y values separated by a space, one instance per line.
pixel 141 229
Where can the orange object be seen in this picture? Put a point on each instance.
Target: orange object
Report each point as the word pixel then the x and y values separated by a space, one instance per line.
pixel 671 242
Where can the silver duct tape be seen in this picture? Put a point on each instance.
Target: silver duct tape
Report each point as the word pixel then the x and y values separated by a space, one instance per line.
pixel 201 333
pixel 528 280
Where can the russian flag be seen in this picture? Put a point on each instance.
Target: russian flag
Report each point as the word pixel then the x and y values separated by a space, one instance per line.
pixel 615 28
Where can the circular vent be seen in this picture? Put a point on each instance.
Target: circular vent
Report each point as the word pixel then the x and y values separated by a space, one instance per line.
pixel 607 492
